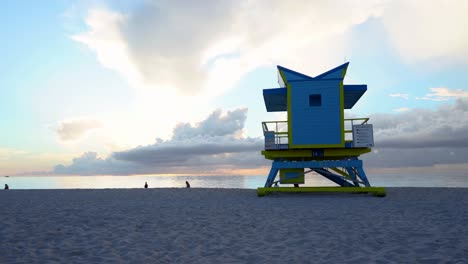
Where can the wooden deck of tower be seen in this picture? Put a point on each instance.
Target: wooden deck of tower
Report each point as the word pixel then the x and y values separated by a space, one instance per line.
pixel 316 137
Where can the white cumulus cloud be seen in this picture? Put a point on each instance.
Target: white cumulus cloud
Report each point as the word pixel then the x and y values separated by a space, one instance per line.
pixel 214 144
pixel 400 95
pixel 422 31
pixel 75 129
pixel 206 47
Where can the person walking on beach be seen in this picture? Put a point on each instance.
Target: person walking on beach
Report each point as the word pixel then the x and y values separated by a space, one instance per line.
pixel 146 185
pixel 187 184
pixel 7 187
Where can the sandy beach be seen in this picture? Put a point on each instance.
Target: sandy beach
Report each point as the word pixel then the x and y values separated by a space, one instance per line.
pixel 409 225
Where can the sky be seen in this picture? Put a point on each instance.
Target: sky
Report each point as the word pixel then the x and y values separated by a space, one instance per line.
pixel 175 87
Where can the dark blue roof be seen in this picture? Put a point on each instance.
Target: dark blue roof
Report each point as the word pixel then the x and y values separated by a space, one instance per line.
pixel 334 73
pixel 352 93
pixel 276 98
pixel 291 75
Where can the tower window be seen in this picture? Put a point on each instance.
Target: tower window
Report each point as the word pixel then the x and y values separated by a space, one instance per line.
pixel 315 100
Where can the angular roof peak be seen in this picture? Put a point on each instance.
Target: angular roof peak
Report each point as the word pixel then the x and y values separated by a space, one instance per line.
pixel 287 75
pixel 335 73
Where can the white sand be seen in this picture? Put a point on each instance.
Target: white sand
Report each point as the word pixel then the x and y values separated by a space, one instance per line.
pixel 410 225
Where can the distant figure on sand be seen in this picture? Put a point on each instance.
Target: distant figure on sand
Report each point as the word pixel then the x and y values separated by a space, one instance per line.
pixel 146 185
pixel 187 184
pixel 6 187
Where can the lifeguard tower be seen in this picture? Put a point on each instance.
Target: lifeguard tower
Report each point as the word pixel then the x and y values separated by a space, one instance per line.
pixel 316 137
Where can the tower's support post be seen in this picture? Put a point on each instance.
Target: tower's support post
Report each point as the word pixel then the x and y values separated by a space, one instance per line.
pixel 353 176
pixel 271 175
pixel 332 177
pixel 362 175
pixel 353 167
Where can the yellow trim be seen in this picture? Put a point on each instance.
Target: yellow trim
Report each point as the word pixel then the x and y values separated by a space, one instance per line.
pixel 319 146
pixel 290 138
pixel 298 179
pixel 288 153
pixel 307 153
pixel 344 71
pixel 376 191
pixel 342 113
pixel 342 173
pixel 342 105
pixel 354 152
pixel 285 81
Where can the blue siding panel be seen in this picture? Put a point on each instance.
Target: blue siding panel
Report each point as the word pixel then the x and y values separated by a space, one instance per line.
pixel 312 125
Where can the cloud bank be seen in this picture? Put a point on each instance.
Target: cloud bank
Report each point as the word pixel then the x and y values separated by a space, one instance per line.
pixel 421 137
pixel 214 144
pixel 204 49
pixel 415 138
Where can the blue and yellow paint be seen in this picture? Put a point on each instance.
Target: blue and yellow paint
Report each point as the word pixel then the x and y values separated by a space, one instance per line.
pixel 316 129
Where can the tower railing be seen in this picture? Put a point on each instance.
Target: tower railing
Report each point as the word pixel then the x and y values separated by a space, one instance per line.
pixel 276 132
pixel 349 123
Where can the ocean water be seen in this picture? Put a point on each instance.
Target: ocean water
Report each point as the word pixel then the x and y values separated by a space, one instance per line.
pixel 241 182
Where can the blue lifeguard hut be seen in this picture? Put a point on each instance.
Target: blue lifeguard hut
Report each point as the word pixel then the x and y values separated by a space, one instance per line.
pixel 316 137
